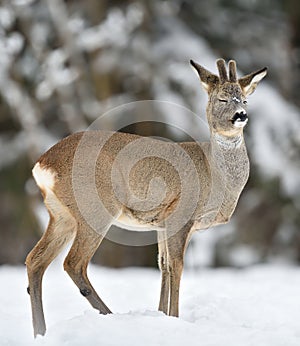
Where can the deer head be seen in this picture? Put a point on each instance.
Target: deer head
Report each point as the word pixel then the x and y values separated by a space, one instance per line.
pixel 226 108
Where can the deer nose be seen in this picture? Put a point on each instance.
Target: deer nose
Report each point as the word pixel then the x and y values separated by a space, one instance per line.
pixel 239 117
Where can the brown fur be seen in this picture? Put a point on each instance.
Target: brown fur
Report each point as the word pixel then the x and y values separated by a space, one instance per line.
pixel 221 167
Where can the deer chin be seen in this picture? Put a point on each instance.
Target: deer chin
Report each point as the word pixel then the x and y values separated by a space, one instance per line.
pixel 230 132
pixel 240 123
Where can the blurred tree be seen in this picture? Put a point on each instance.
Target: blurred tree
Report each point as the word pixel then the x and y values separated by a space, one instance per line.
pixel 292 7
pixel 64 63
pixel 252 32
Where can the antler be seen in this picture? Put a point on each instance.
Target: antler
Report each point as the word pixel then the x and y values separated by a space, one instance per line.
pixel 210 80
pixel 222 71
pixel 232 71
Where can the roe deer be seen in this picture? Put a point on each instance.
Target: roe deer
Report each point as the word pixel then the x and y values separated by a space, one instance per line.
pixel 94 179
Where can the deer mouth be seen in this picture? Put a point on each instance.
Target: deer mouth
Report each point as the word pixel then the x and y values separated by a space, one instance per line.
pixel 239 119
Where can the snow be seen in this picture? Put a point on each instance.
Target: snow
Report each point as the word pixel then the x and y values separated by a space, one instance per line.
pixel 114 30
pixel 257 306
pixel 7 17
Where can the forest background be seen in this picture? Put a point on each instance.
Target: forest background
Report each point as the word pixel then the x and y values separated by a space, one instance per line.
pixel 65 63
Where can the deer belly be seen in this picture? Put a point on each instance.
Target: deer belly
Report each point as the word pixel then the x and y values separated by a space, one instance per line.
pixel 127 222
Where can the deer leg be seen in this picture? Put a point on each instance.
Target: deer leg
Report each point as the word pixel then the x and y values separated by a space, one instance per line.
pixel 85 244
pixel 57 235
pixel 165 283
pixel 176 267
pixel 176 248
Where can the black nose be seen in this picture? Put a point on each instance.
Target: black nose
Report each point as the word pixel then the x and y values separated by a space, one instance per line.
pixel 241 116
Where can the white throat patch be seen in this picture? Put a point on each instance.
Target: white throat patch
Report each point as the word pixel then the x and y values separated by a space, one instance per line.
pixel 229 142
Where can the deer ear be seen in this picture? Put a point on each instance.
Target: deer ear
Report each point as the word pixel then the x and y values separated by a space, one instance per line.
pixel 250 82
pixel 208 79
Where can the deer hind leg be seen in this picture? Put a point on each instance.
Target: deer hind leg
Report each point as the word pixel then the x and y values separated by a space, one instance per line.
pixel 60 231
pixel 85 244
pixel 163 266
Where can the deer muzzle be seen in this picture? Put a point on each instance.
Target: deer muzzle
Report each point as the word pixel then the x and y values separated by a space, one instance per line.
pixel 240 119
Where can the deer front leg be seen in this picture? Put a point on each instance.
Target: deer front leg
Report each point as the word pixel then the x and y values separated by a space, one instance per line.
pixel 175 269
pixel 165 282
pixel 176 246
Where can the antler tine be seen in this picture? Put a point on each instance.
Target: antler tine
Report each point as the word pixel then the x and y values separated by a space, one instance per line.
pixel 222 70
pixel 232 71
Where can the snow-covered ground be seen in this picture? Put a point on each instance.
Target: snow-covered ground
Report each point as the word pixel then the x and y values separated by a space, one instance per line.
pixel 256 306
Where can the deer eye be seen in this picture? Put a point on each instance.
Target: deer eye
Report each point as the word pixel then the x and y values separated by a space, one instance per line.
pixel 222 100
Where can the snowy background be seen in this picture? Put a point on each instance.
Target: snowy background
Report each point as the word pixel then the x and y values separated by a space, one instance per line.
pixel 65 63
pixel 258 306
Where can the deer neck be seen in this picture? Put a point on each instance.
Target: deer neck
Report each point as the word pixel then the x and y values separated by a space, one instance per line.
pixel 229 160
pixel 229 168
pixel 223 144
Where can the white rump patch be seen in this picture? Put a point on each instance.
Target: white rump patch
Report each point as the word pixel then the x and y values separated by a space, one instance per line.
pixel 44 177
